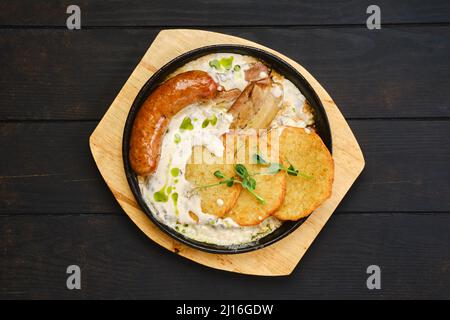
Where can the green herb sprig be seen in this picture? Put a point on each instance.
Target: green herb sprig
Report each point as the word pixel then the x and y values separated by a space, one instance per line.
pixel 247 181
pixel 274 168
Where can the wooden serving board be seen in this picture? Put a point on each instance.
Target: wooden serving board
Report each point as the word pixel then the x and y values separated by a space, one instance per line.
pixel 278 259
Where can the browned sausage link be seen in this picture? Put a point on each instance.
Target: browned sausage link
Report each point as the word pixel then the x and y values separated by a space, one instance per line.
pixel 154 116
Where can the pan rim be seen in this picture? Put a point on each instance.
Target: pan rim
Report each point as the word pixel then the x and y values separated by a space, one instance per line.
pixel 158 77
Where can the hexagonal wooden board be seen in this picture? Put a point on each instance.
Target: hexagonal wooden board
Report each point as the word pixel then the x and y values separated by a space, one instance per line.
pixel 278 259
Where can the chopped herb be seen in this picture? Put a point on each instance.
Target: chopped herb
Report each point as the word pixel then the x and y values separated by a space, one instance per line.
pixel 213 120
pixel 176 180
pixel 175 172
pixel 186 124
pixel 169 190
pixel 214 64
pixel 237 67
pixel 176 138
pixel 226 63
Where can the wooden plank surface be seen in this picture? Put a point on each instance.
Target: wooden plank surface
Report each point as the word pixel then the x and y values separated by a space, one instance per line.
pixel 282 257
pixel 396 215
pixel 401 72
pixel 217 12
pixel 118 261
pixel 49 169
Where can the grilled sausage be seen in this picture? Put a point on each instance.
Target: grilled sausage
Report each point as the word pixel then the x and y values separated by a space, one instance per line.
pixel 153 118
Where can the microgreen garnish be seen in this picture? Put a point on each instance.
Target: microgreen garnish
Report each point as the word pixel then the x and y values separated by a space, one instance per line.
pixel 219 174
pixel 258 159
pixel 237 67
pixel 274 168
pixel 247 181
pixel 241 170
pixel 291 170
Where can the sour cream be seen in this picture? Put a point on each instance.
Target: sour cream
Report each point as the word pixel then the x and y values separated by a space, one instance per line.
pixel 293 112
pixel 229 78
pixel 171 196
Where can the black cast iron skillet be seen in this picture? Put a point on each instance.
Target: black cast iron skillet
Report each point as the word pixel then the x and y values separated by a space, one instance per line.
pixel 320 117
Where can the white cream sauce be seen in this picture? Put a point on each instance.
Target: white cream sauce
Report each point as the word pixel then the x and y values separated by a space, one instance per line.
pixel 229 78
pixel 170 195
pixel 169 180
pixel 292 113
pixel 176 151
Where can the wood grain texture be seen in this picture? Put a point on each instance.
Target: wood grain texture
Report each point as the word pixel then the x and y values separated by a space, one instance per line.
pixel 216 12
pixel 390 73
pixel 119 262
pixel 281 257
pixel 48 74
pixel 49 169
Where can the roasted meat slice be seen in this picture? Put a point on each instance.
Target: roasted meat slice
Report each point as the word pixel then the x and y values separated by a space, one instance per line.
pixel 256 72
pixel 257 105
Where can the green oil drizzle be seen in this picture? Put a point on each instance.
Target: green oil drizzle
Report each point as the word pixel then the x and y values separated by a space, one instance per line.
pixel 175 172
pixel 160 196
pixel 175 202
pixel 176 138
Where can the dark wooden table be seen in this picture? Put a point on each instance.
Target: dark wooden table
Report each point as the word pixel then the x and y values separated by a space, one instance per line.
pixel 393 86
